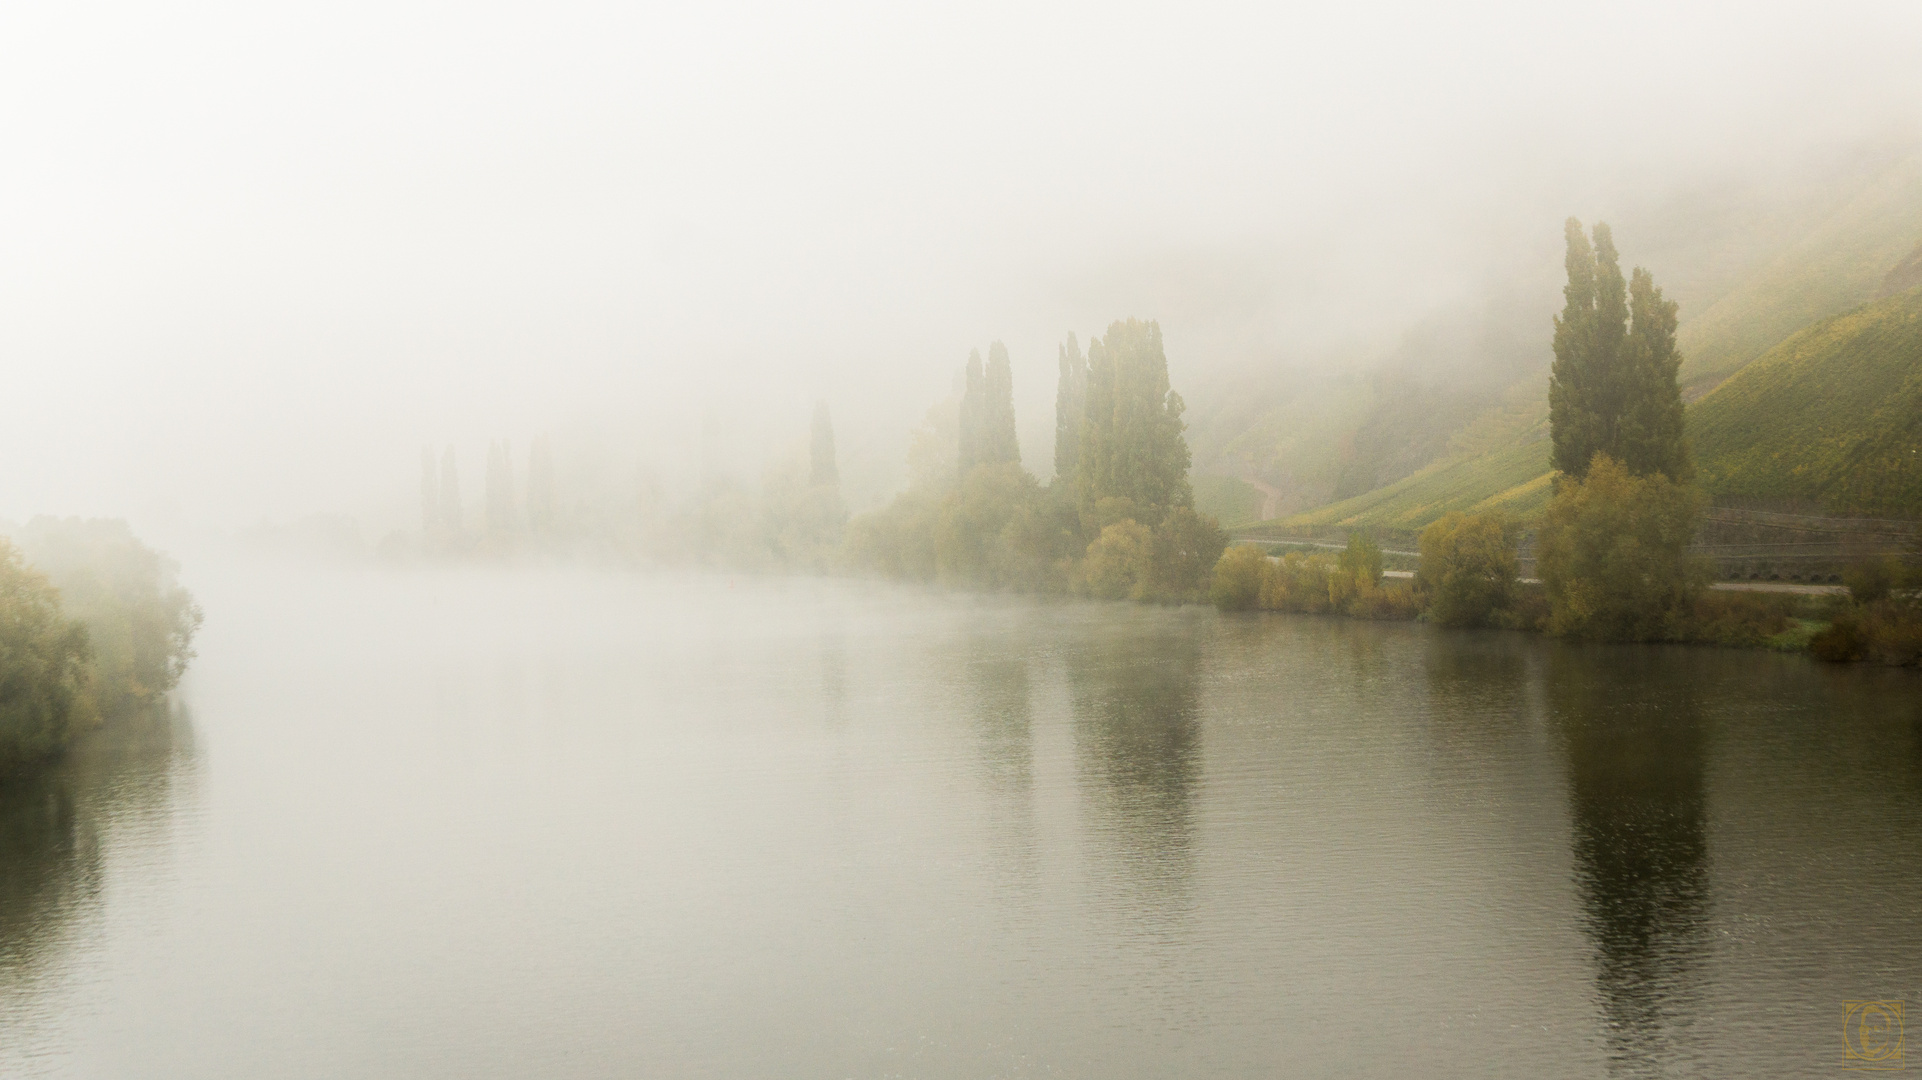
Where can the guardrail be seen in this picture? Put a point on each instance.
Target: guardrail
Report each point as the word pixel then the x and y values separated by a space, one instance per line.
pixel 1745 545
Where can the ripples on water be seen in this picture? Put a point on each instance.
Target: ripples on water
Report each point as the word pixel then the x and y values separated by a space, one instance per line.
pixel 560 824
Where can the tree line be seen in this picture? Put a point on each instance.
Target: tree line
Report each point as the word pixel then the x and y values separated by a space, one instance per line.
pixel 793 521
pixel 506 516
pixel 1117 520
pixel 1612 548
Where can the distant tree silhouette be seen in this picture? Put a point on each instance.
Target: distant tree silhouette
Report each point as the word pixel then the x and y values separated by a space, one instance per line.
pixel 1070 410
pixel 500 490
pixel 1131 443
pixel 973 395
pixel 540 488
pixel 450 509
pixel 823 471
pixel 987 412
pixel 429 495
pixel 998 440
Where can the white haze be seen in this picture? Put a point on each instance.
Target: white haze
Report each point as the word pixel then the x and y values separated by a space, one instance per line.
pixel 257 255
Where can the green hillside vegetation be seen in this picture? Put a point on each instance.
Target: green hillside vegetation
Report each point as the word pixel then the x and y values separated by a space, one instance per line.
pixel 1838 265
pixel 1832 416
pixel 1513 480
pixel 1226 499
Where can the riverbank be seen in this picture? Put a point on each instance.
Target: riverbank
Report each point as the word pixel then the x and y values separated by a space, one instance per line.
pixel 1824 620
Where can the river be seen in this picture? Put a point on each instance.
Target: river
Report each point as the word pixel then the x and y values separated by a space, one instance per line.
pixel 555 823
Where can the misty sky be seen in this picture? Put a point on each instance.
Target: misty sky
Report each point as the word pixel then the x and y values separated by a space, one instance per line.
pixel 257 255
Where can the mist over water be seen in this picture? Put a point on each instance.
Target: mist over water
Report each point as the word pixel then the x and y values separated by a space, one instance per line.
pixel 562 823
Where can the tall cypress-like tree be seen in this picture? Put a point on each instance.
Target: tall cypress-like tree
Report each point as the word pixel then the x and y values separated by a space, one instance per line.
pixel 1612 389
pixel 823 471
pixel 1094 464
pixel 998 440
pixel 1575 389
pixel 500 489
pixel 973 396
pixel 987 412
pixel 540 487
pixel 1653 439
pixel 429 495
pixel 1070 410
pixel 1131 442
pixel 450 509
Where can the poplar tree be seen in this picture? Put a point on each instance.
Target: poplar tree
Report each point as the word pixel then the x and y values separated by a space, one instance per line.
pixel 500 489
pixel 1576 381
pixel 1070 410
pixel 968 453
pixel 1653 439
pixel 1094 463
pixel 429 495
pixel 987 412
pixel 540 487
pixel 823 471
pixel 1612 389
pixel 450 511
pixel 1131 442
pixel 998 441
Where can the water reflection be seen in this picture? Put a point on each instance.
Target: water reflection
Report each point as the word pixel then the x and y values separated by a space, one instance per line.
pixel 1136 700
pixel 49 865
pixel 998 687
pixel 1635 744
pixel 834 680
pixel 55 824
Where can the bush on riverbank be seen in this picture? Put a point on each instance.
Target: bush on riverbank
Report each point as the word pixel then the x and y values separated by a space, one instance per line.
pixel 1247 579
pixel 1613 554
pixel 1743 619
pixel 140 624
pixel 1469 568
pixel 43 665
pixel 1888 631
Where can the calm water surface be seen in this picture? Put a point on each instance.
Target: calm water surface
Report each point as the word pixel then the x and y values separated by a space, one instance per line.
pixel 564 824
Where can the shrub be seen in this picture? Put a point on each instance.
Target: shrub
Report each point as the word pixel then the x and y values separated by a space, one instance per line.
pixel 1747 619
pixel 1386 602
pixel 1185 548
pixel 1239 575
pixel 1528 610
pixel 897 540
pixel 43 665
pixel 140 623
pixel 1892 631
pixel 1873 578
pixel 1246 578
pixel 1118 562
pixel 1468 568
pixel 1843 641
pixel 1613 553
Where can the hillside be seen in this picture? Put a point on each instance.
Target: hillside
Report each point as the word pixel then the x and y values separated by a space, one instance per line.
pixel 1840 263
pixel 1831 418
pixel 1514 480
pixel 1745 294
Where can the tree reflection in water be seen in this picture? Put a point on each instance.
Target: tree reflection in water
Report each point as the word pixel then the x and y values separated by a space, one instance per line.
pixel 1136 698
pixel 1635 765
pixel 54 825
pixel 997 688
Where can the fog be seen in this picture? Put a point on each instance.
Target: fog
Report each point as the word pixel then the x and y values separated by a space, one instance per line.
pixel 257 257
